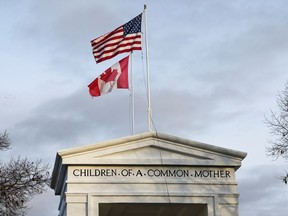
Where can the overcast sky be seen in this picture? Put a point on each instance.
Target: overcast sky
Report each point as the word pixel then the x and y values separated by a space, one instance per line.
pixel 216 68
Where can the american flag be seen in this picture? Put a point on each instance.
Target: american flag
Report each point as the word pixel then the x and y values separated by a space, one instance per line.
pixel 125 38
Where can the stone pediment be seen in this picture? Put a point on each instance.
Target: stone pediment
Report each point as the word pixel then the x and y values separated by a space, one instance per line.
pixel 145 150
pixel 152 149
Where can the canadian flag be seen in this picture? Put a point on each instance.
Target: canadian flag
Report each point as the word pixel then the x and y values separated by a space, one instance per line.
pixel 114 77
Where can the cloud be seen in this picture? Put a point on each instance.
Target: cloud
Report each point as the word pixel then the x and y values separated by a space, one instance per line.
pixel 73 120
pixel 45 204
pixel 261 192
pixel 77 119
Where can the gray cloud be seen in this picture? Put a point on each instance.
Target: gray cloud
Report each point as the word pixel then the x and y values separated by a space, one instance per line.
pixel 67 121
pixel 77 119
pixel 261 192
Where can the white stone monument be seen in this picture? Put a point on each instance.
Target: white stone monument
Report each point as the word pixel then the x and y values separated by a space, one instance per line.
pixel 149 174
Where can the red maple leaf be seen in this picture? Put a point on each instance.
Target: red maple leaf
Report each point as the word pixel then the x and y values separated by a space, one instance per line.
pixel 109 75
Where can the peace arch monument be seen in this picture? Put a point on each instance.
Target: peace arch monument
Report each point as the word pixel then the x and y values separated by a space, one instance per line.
pixel 149 174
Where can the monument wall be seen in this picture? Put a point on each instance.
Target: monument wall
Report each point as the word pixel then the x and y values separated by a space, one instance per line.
pixel 147 174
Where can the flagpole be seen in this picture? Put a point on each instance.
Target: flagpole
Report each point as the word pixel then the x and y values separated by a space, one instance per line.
pixel 149 110
pixel 132 97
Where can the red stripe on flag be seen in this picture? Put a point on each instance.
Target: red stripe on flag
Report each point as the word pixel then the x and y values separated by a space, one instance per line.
pixel 119 52
pixel 123 42
pixel 111 40
pixel 132 44
pixel 106 37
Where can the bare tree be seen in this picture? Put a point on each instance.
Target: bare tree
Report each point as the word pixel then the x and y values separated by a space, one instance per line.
pixel 278 124
pixel 4 141
pixel 20 180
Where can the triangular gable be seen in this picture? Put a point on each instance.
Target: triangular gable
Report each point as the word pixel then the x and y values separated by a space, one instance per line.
pixel 151 148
